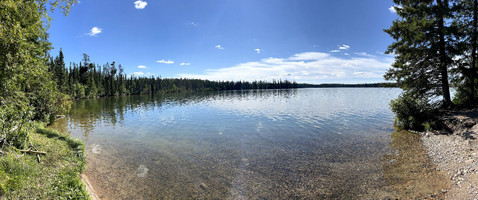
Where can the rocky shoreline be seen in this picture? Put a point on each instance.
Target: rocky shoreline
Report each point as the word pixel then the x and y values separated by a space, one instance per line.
pixel 453 147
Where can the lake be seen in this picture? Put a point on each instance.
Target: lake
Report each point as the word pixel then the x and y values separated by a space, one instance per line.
pixel 317 143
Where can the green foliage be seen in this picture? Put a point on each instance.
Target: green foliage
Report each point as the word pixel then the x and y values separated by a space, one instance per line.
pixel 56 177
pixel 465 71
pixel 465 97
pixel 411 113
pixel 15 120
pixel 423 48
pixel 433 39
pixel 78 149
pixel 27 91
pixel 88 80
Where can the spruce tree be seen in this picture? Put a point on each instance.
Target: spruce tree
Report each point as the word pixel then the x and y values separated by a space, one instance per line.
pixel 423 48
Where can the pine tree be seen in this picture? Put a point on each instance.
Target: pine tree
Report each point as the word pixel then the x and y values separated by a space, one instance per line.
pixel 424 45
pixel 466 71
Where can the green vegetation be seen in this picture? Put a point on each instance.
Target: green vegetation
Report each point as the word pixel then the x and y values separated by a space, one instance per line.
pixel 55 177
pixel 435 46
pixel 87 80
pixel 28 94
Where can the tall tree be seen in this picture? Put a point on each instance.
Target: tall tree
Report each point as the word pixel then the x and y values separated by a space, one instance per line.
pixel 466 72
pixel 27 90
pixel 423 48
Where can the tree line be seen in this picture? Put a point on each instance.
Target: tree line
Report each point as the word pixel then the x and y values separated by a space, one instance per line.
pixel 87 79
pixel 344 85
pixel 435 48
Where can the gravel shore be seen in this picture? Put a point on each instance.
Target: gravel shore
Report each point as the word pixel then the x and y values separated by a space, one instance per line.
pixel 454 150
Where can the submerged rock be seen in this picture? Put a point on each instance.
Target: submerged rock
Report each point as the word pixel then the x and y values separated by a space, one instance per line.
pixel 203 186
pixel 96 149
pixel 142 171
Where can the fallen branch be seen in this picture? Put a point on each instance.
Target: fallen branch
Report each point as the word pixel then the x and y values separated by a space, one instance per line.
pixel 30 151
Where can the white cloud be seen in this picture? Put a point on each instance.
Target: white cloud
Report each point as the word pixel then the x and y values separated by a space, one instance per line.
pixel 303 67
pixel 344 47
pixel 346 54
pixel 140 4
pixel 165 61
pixel 364 54
pixel 309 56
pixel 138 73
pixel 142 67
pixel 95 31
pixel 194 24
pixel 257 50
pixel 219 47
pixel 393 9
pixel 185 64
pixel 335 51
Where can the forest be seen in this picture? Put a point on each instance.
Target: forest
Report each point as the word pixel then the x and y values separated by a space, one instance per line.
pixel 87 80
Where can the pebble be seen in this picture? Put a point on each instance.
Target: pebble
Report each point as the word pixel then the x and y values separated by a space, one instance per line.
pixel 455 156
pixel 203 186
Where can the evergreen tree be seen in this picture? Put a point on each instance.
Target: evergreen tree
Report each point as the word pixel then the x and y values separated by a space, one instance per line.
pixel 466 72
pixel 424 46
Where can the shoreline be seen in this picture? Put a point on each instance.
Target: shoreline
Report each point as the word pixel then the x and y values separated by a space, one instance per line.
pixel 454 151
pixel 89 187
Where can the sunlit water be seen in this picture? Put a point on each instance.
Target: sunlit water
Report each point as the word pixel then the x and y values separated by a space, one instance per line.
pixel 268 144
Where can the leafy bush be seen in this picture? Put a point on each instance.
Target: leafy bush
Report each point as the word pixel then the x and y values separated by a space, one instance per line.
pixel 15 120
pixel 411 113
pixel 464 97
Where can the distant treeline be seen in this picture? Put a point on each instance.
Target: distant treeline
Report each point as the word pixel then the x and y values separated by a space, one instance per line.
pixel 86 80
pixel 332 85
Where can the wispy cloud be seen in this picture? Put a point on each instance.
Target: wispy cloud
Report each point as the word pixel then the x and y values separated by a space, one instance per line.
pixel 194 24
pixel 165 61
pixel 219 47
pixel 95 31
pixel 302 67
pixel 140 4
pixel 344 47
pixel 363 54
pixel 335 51
pixel 142 67
pixel 257 50
pixel 185 64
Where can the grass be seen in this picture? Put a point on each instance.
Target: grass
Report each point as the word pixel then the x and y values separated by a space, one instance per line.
pixel 57 176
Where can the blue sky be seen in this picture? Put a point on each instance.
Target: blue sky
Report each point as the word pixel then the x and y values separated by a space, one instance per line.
pixel 313 41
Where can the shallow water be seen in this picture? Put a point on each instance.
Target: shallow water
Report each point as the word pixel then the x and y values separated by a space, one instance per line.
pixel 269 144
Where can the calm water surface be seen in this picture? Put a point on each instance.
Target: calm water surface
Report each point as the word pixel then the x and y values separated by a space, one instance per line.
pixel 269 144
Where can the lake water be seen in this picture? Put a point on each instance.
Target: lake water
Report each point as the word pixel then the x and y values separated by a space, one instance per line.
pixel 267 144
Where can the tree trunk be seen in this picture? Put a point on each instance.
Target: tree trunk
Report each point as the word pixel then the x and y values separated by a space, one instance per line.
pixel 443 57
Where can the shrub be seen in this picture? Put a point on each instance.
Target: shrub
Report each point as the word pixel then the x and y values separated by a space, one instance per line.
pixel 411 113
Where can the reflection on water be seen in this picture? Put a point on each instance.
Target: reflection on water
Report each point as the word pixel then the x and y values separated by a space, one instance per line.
pixel 272 144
